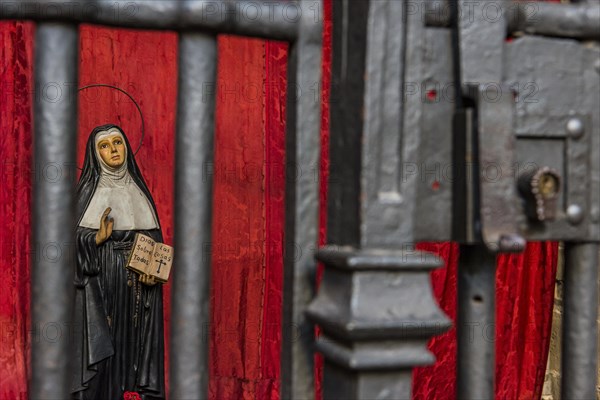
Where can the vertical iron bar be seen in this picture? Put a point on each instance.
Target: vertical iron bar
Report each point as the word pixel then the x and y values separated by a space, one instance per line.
pixel 190 322
pixel 348 65
pixel 302 204
pixel 476 323
pixel 580 330
pixel 52 292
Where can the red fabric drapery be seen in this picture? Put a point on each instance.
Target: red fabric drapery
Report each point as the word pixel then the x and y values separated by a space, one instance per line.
pixel 248 217
pixel 16 53
pixel 524 300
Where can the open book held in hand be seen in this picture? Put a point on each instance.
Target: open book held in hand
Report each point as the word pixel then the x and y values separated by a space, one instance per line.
pixel 151 258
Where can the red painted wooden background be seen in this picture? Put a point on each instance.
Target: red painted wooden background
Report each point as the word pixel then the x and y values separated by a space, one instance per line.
pixel 248 216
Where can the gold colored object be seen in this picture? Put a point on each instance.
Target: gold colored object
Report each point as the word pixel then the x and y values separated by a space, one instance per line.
pixel 548 185
pixel 540 189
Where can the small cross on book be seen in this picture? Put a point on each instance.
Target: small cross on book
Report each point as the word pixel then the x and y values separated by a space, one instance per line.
pixel 160 262
pixel 151 258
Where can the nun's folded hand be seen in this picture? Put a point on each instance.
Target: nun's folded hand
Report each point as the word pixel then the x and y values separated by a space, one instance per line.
pixel 147 280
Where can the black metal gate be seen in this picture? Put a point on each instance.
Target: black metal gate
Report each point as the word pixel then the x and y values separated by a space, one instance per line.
pixel 375 305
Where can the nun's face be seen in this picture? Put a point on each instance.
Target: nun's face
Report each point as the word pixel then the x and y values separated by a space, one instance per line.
pixel 112 150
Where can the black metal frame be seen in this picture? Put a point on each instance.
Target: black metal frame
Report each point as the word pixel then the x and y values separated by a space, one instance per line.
pixel 375 307
pixel 397 154
pixel 198 22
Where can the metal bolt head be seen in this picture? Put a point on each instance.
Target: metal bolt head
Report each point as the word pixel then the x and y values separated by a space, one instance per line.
pixel 512 243
pixel 575 127
pixel 574 214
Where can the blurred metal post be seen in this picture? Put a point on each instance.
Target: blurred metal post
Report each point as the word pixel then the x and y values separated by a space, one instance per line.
pixel 52 290
pixel 190 323
pixel 580 330
pixel 375 305
pixel 303 145
pixel 476 323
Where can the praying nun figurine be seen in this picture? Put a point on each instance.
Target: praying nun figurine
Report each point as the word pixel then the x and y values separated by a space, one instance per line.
pixel 118 330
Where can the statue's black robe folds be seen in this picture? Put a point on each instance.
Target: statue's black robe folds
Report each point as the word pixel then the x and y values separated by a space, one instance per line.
pixel 118 329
